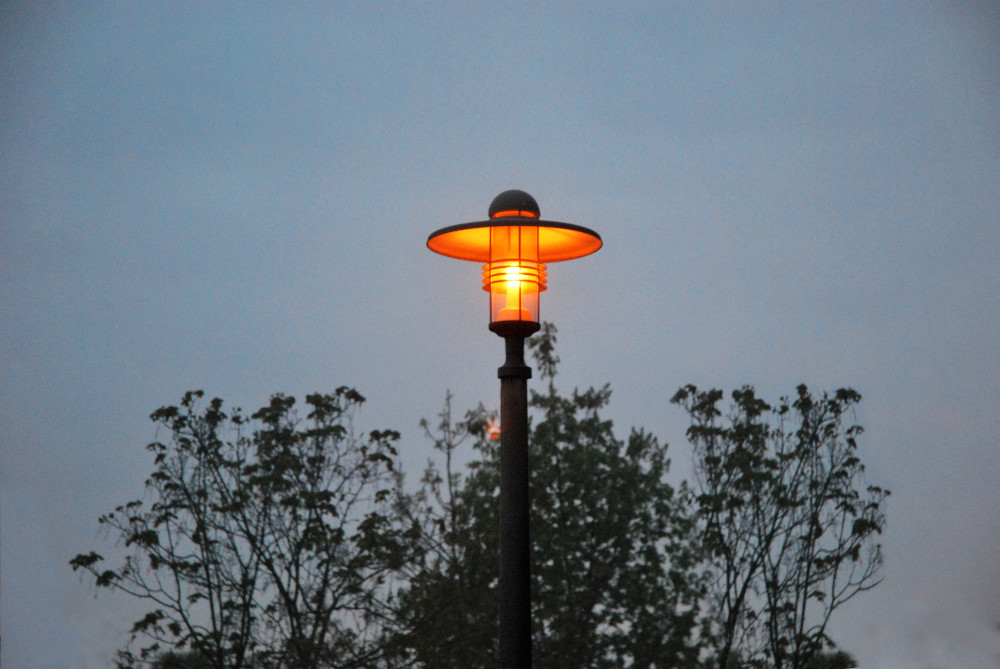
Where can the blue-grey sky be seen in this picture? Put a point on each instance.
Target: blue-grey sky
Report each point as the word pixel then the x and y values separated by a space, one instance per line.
pixel 236 197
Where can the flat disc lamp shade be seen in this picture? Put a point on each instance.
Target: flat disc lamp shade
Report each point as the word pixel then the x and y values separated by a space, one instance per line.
pixel 514 245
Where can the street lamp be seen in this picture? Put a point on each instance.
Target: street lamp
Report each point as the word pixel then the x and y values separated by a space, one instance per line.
pixel 514 245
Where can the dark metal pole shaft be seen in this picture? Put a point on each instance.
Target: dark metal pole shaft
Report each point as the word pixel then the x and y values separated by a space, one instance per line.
pixel 515 548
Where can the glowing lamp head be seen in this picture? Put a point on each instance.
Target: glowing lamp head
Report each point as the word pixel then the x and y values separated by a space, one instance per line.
pixel 514 244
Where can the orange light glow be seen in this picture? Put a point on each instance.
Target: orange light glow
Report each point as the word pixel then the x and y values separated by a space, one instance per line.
pixel 514 311
pixel 554 243
pixel 514 286
pixel 515 212
pixel 493 430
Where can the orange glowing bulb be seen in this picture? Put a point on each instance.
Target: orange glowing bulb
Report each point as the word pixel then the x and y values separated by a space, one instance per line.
pixel 514 310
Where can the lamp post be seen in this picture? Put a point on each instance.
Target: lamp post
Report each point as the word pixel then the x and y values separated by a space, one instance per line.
pixel 514 245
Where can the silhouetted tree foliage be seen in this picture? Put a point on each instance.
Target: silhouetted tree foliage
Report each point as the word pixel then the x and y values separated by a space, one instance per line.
pixel 447 609
pixel 261 542
pixel 181 660
pixel 788 521
pixel 615 579
pixel 274 541
pixel 836 660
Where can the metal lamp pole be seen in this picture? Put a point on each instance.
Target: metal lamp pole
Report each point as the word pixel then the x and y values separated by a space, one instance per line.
pixel 515 542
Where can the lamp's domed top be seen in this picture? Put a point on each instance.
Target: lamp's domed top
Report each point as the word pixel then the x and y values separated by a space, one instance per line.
pixel 514 203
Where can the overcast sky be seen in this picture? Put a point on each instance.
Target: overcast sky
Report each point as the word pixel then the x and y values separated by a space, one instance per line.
pixel 237 196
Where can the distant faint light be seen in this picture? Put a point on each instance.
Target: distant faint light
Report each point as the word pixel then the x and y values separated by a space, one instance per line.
pixel 493 430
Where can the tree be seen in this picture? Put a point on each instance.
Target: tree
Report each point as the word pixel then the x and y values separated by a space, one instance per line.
pixel 447 614
pixel 261 542
pixel 615 579
pixel 181 660
pixel 836 660
pixel 787 519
